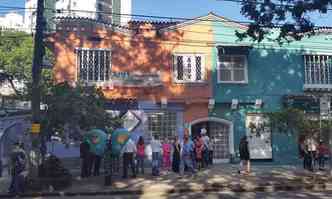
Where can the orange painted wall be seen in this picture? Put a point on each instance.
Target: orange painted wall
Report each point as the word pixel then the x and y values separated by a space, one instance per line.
pixel 195 111
pixel 144 51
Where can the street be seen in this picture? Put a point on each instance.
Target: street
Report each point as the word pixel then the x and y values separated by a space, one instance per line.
pixel 215 195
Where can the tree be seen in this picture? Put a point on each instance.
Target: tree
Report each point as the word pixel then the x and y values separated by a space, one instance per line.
pixel 291 17
pixel 80 107
pixel 16 51
pixel 291 120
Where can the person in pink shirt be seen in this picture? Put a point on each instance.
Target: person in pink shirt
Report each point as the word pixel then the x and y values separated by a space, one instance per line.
pixel 140 155
pixel 166 155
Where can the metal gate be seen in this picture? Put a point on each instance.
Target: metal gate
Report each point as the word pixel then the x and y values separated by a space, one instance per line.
pixel 219 135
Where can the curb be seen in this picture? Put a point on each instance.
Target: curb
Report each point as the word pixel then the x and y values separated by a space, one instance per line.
pixel 213 188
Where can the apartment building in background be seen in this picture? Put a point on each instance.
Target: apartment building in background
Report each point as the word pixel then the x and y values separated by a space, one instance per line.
pixel 106 11
pixel 11 21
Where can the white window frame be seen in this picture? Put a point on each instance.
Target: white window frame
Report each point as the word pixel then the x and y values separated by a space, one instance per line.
pixel 78 68
pixel 167 129
pixel 193 70
pixel 245 81
pixel 317 62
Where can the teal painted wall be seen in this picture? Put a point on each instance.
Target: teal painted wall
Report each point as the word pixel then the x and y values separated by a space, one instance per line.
pixel 273 71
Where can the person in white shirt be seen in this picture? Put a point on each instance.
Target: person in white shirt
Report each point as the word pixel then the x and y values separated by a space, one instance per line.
pixel 311 146
pixel 128 158
pixel 156 154
pixel 206 141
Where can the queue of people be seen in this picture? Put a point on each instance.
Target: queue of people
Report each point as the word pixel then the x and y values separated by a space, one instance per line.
pixel 313 153
pixel 180 155
pixel 189 154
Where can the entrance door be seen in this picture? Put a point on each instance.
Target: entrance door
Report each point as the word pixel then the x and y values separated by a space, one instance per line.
pixel 219 136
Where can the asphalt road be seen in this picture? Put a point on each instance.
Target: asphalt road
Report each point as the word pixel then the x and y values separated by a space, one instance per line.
pixel 214 195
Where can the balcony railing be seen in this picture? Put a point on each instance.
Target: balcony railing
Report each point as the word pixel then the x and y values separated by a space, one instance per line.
pixel 318 72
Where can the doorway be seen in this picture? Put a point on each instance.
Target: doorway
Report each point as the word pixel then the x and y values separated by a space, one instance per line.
pixel 220 133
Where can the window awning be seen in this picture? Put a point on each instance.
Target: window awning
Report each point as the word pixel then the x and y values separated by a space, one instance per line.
pixel 233 50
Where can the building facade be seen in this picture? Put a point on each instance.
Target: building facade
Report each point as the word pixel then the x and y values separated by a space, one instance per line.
pixel 251 79
pixel 107 11
pixel 149 72
pixel 167 77
pixel 12 21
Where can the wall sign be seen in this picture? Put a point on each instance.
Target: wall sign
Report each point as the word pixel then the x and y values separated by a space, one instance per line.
pixel 136 79
pixel 259 136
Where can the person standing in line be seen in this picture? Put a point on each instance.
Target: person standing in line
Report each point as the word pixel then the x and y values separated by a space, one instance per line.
pixel 166 155
pixel 211 152
pixel 156 153
pixel 18 167
pixel 140 155
pixel 199 148
pixel 128 158
pixel 301 151
pixel 108 164
pixel 84 155
pixel 193 154
pixel 186 156
pixel 244 155
pixel 323 154
pixel 206 145
pixel 97 157
pixel 176 155
pixel 312 148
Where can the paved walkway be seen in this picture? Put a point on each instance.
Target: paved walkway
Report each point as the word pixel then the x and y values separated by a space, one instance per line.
pixel 218 177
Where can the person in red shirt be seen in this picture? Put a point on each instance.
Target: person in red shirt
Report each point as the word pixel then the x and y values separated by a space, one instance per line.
pixel 199 147
pixel 323 154
pixel 140 155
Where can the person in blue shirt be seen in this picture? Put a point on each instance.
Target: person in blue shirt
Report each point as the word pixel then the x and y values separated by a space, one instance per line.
pixel 187 150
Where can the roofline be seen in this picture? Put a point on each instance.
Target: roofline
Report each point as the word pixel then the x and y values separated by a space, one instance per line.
pixel 113 27
pixel 197 19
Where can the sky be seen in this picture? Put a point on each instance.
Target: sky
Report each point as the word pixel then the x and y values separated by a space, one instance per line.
pixel 187 9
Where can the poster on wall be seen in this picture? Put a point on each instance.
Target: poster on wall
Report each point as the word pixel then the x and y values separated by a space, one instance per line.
pixel 130 121
pixel 259 136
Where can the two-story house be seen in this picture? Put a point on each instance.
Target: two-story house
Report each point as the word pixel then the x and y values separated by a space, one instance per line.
pixel 157 75
pixel 165 77
pixel 251 78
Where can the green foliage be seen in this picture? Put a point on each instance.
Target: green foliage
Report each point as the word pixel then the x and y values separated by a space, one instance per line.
pixel 16 53
pixel 79 105
pixel 290 16
pixel 291 120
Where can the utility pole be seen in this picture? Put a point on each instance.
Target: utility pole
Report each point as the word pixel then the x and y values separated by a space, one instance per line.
pixel 36 73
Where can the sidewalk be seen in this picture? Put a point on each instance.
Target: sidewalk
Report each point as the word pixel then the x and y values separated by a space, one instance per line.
pixel 219 177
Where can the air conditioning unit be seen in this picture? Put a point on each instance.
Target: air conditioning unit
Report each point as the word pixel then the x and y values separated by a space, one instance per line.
pixel 211 104
pixel 235 103
pixel 258 103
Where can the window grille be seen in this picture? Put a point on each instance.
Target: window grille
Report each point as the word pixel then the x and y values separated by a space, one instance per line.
pixel 93 65
pixel 188 68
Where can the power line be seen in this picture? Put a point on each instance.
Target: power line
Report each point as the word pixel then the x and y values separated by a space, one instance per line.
pixel 287 4
pixel 170 18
